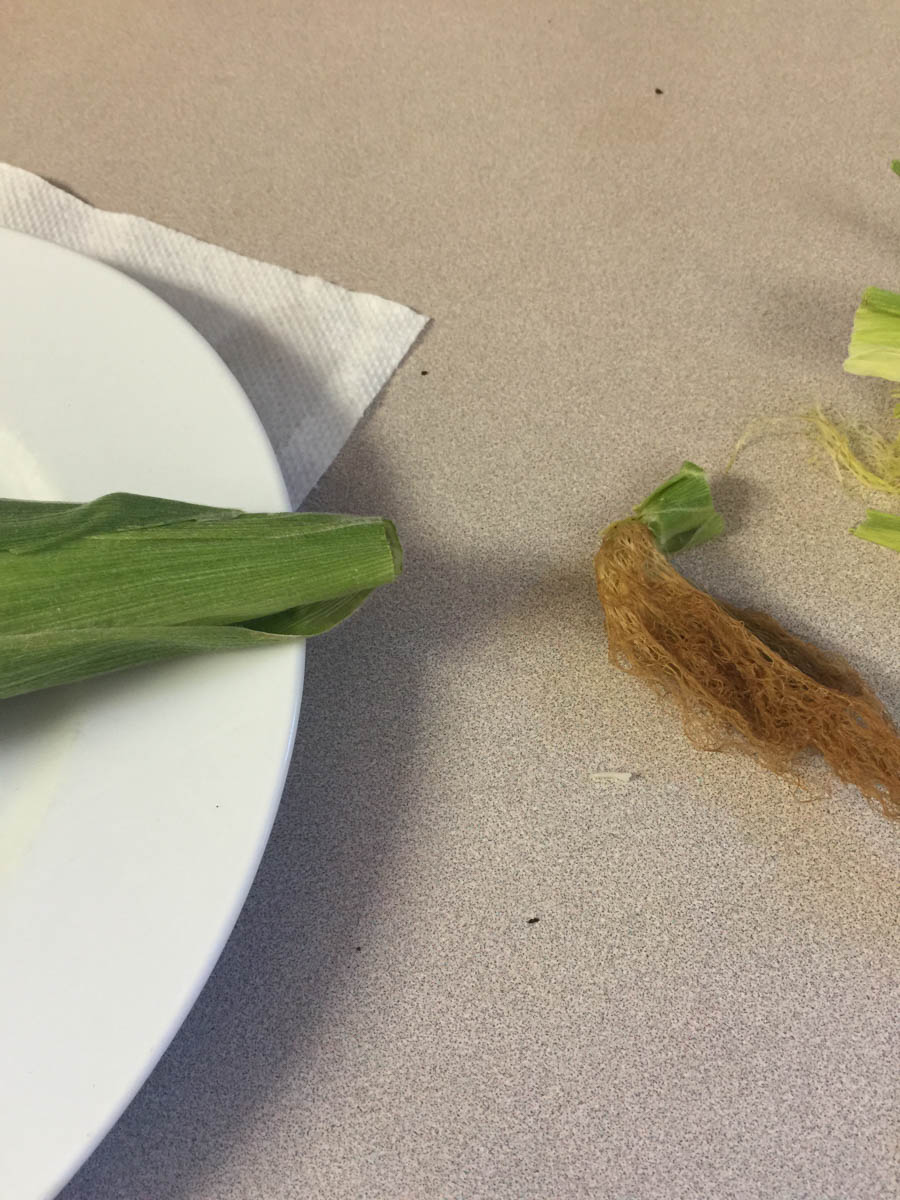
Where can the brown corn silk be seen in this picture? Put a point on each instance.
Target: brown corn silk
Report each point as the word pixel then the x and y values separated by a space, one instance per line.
pixel 741 681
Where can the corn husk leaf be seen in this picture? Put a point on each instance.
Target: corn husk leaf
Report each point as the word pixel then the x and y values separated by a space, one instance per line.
pixel 875 340
pixel 127 579
pixel 881 528
pixel 27 525
pixel 680 512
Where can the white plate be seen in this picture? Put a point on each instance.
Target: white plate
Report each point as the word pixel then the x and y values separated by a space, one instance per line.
pixel 133 809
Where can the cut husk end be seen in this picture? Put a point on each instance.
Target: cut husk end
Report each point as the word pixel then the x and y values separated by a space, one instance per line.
pixel 881 528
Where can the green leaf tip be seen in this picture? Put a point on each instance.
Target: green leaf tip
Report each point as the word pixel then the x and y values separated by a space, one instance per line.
pixel 875 341
pixel 680 512
pixel 881 528
pixel 895 165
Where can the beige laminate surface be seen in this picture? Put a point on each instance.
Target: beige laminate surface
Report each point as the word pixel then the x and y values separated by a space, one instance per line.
pixel 707 1006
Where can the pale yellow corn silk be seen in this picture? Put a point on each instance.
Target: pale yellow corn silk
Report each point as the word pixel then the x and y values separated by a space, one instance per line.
pixel 862 458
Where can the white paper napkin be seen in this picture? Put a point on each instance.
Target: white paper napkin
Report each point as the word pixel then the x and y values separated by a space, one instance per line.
pixel 310 355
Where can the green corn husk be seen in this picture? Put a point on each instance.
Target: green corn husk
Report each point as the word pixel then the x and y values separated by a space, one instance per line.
pixel 881 528
pixel 680 512
pixel 875 340
pixel 127 579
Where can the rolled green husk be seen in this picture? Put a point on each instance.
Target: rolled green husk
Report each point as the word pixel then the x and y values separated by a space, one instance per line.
pixel 128 579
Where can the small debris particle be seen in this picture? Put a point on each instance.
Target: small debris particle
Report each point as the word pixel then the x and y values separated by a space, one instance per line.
pixel 423 372
pixel 533 920
pixel 658 91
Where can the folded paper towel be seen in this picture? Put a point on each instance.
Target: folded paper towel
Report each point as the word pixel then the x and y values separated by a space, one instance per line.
pixel 310 355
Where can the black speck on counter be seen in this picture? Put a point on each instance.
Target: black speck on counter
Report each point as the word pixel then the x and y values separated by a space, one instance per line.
pixel 658 91
pixel 533 920
pixel 359 947
pixel 424 372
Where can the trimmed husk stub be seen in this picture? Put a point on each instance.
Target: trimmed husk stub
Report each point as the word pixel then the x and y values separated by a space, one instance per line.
pixel 741 681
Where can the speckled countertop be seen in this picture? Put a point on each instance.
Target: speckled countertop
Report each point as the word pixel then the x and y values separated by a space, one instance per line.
pixel 636 225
